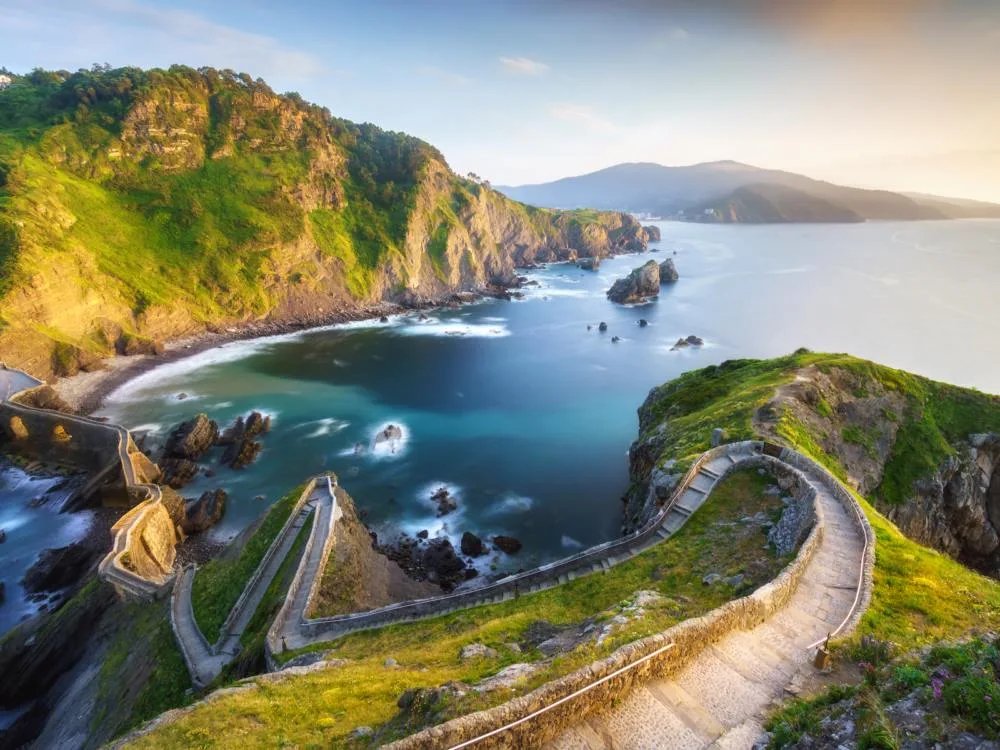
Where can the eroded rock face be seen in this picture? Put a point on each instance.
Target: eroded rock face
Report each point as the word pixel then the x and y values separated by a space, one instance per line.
pixel 652 233
pixel 668 272
pixel 192 439
pixel 204 512
pixel 178 472
pixel 640 285
pixel 58 568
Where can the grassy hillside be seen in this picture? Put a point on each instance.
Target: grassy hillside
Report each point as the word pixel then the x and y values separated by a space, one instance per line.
pixel 920 595
pixel 139 205
pixel 770 204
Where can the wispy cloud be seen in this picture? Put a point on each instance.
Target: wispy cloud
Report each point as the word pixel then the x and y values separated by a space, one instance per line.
pixel 524 66
pixel 432 71
pixel 678 34
pixel 85 30
pixel 583 115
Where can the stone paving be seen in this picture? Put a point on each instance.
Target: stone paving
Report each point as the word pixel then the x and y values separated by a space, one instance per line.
pixel 721 697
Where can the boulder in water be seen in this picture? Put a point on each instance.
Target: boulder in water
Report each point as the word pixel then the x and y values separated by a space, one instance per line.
pixel 643 322
pixel 445 502
pixel 589 264
pixel 192 439
pixel 177 472
pixel 668 272
pixel 640 285
pixel 442 565
pixel 204 512
pixel 507 544
pixel 472 545
pixel 602 327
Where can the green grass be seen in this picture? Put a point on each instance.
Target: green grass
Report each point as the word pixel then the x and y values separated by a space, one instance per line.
pixel 953 684
pixel 322 708
pixel 218 584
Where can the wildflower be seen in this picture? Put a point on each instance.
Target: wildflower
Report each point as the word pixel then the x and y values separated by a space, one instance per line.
pixel 937 684
pixel 988 698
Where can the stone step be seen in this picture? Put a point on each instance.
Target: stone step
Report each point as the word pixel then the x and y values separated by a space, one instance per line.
pixel 705 471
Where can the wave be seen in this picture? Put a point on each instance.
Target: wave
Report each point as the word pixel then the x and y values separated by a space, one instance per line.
pixel 433 327
pixel 326 426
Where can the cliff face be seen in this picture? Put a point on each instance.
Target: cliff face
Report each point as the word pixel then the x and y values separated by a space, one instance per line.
pixel 951 504
pixel 138 206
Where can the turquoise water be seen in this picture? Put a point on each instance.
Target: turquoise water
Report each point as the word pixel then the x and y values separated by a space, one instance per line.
pixel 527 416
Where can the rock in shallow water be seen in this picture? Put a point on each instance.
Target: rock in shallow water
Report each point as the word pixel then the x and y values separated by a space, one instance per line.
pixel 472 545
pixel 640 285
pixel 202 513
pixel 507 544
pixel 191 439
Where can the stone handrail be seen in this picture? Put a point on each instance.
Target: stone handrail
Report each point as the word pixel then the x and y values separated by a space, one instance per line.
pixel 565 700
pixel 111 567
pixel 606 554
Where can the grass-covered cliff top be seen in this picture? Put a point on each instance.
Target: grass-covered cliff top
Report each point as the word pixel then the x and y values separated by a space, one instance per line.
pixel 931 419
pixel 155 202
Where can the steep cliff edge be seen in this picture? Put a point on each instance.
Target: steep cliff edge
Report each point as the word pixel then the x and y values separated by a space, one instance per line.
pixel 138 206
pixel 926 453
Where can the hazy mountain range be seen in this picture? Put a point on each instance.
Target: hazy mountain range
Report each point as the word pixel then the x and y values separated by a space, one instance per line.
pixel 728 191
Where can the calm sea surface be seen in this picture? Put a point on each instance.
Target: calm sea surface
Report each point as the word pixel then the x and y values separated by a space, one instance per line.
pixel 527 416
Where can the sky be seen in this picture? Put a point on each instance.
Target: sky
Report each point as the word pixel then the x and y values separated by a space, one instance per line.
pixel 896 94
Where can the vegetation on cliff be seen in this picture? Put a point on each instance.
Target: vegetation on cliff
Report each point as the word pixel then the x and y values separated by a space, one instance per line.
pixel 138 205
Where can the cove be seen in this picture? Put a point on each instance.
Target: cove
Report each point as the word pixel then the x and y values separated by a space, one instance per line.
pixel 526 416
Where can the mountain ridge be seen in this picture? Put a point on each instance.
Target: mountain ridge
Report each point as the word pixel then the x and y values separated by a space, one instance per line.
pixel 707 191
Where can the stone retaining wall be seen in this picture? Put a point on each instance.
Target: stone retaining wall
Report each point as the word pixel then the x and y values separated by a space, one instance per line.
pixel 545 576
pixel 689 638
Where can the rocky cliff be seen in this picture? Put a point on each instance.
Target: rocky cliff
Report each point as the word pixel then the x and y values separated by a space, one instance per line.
pixel 138 206
pixel 927 454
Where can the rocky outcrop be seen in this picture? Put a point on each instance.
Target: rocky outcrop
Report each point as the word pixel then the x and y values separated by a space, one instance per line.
pixel 668 272
pixel 652 233
pixel 472 545
pixel 507 544
pixel 684 343
pixel 589 264
pixel 640 285
pixel 192 439
pixel 201 513
pixel 58 568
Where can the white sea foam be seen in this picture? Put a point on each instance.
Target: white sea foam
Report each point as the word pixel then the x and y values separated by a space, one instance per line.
pixel 569 542
pixel 512 503
pixel 150 428
pixel 433 327
pixel 322 427
pixel 222 405
pixel 393 448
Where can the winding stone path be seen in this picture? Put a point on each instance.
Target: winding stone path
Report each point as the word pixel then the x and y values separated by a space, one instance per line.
pixel 720 698
pixel 205 661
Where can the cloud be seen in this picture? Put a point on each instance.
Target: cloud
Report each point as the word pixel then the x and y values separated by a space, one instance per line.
pixel 678 34
pixel 524 66
pixel 432 71
pixel 581 114
pixel 131 32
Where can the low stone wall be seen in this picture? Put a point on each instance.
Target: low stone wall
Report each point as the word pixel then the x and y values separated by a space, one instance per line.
pixel 542 577
pixel 689 638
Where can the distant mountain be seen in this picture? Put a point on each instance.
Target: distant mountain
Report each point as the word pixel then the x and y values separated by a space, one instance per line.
pixel 736 192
